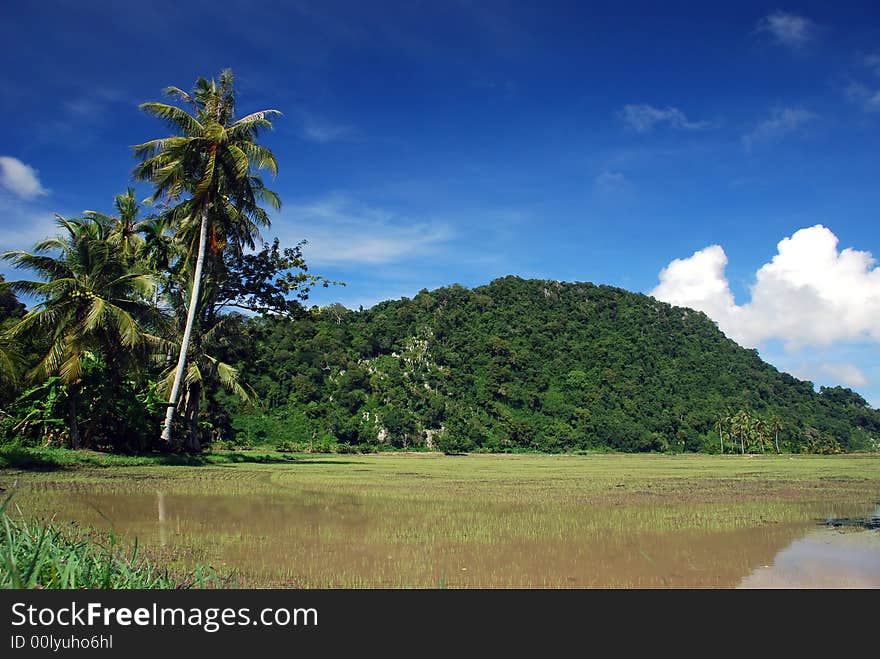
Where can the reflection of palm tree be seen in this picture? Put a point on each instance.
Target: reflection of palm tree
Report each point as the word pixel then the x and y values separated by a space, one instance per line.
pixel 163 528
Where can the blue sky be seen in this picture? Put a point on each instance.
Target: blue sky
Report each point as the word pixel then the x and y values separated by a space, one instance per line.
pixel 428 143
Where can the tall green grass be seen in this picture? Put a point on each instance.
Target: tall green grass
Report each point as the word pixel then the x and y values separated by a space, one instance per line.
pixel 43 554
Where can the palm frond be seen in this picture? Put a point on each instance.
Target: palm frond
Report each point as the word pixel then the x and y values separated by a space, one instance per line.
pixel 174 116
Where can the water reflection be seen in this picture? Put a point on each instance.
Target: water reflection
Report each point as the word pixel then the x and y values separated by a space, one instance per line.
pixel 320 539
pixel 163 526
pixel 824 558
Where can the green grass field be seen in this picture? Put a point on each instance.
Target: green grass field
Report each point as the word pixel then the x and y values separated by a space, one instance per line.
pixel 428 520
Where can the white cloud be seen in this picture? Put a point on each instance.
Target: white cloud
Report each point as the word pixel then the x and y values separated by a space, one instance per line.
pixel 699 282
pixel 789 30
pixel 873 63
pixel 780 124
pixel 846 374
pixel 810 294
pixel 643 118
pixel 867 98
pixel 316 129
pixel 20 179
pixel 609 181
pixel 814 298
pixel 341 231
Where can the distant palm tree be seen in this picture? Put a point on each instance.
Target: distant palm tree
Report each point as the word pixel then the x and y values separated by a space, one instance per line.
pixel 739 425
pixel 775 425
pixel 92 302
pixel 758 428
pixel 212 161
pixel 719 425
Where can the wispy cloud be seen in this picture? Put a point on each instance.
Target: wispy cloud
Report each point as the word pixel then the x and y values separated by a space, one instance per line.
pixel 22 224
pixel 81 117
pixel 873 63
pixel 340 230
pixel 790 30
pixel 863 96
pixel 781 123
pixel 20 179
pixel 610 182
pixel 643 118
pixel 317 129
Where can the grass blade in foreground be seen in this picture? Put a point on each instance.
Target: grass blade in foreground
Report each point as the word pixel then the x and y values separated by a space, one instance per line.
pixel 44 554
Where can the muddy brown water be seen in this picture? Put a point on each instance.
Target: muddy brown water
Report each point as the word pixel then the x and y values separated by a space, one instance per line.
pixel 320 540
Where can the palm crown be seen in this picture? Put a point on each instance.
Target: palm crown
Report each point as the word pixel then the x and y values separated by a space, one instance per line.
pixel 213 161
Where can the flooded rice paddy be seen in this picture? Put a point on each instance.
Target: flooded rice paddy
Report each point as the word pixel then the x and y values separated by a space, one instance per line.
pixel 490 521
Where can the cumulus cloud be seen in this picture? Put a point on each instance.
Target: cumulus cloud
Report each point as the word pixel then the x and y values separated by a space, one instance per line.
pixel 643 118
pixel 698 282
pixel 781 123
pixel 789 30
pixel 339 230
pixel 810 293
pixel 20 179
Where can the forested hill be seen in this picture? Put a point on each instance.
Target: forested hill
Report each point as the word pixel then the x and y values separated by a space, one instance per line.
pixel 530 364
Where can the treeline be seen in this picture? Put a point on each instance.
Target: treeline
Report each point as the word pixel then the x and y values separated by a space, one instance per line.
pixel 530 365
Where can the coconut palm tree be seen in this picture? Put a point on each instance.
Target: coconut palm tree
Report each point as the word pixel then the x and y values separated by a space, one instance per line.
pixel 158 251
pixel 211 165
pixel 203 368
pixel 124 228
pixel 91 302
pixel 719 425
pixel 739 425
pixel 759 429
pixel 774 424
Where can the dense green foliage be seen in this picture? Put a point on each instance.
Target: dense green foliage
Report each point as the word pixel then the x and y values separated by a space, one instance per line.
pixel 530 365
pixel 117 297
pixel 137 318
pixel 44 554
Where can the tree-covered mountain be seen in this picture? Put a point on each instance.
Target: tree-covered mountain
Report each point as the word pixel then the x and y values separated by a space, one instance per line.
pixel 529 364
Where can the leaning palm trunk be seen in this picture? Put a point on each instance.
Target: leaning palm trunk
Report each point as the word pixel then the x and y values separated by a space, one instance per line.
pixel 777 442
pixel 187 332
